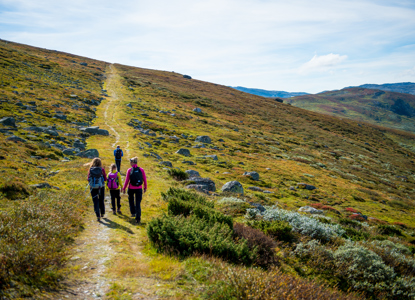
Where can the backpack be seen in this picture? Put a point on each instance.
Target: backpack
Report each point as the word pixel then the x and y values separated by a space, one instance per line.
pixel 96 180
pixel 136 177
pixel 118 153
pixel 113 183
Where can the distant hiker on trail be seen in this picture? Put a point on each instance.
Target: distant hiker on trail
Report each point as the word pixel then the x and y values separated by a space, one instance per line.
pixel 135 179
pixel 118 154
pixel 96 181
pixel 114 185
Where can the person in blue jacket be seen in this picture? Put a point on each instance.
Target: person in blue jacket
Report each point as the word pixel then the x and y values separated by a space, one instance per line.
pixel 118 154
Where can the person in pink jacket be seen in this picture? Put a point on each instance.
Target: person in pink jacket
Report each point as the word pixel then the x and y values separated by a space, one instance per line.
pixel 135 180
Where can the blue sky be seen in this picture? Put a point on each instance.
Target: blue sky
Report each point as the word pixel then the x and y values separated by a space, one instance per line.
pixel 295 46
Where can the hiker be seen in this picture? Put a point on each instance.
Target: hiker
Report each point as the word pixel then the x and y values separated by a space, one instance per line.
pixel 135 179
pixel 118 154
pixel 114 185
pixel 96 181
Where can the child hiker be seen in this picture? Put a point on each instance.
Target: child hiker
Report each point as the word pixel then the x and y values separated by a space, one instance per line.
pixel 135 179
pixel 96 181
pixel 114 185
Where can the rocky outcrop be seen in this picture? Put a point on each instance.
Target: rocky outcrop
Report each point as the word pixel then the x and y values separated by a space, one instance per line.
pixel 90 153
pixel 192 173
pixel 183 151
pixel 203 139
pixel 8 121
pixel 202 184
pixel 233 187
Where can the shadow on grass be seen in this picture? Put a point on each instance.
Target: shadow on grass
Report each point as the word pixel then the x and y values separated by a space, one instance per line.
pixel 113 225
pixel 131 220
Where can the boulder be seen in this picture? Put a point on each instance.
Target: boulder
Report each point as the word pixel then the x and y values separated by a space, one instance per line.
pixel 90 153
pixel 14 138
pixel 95 130
pixel 197 109
pixel 166 163
pixel 148 144
pixel 310 210
pixel 51 132
pixel 258 206
pixel 187 76
pixel 202 184
pixel 253 175
pixel 306 186
pixel 192 173
pixel 60 116
pixel 8 121
pixel 203 139
pixel 79 145
pixel 183 151
pixel 234 187
pixel 188 162
pixel 69 151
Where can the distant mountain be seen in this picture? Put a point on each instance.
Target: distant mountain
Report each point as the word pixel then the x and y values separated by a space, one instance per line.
pixel 401 87
pixel 389 109
pixel 266 93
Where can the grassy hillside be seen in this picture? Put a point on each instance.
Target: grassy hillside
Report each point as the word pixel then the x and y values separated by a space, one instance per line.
pixel 388 109
pixel 400 87
pixel 191 245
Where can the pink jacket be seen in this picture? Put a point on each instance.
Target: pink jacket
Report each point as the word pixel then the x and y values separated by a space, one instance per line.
pixel 127 180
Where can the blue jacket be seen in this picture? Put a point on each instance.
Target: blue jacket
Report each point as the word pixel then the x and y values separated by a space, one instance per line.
pixel 122 154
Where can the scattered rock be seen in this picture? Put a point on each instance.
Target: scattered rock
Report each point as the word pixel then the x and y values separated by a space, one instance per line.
pixel 234 187
pixel 203 139
pixel 306 186
pixel 197 109
pixel 83 64
pixel 129 105
pixel 187 77
pixel 148 144
pixel 192 173
pixel 253 175
pixel 166 163
pixel 188 162
pixel 258 206
pixel 255 188
pixel 214 157
pixel 14 138
pixel 43 185
pixel 8 121
pixel 202 184
pixel 90 153
pixel 310 210
pixel 95 130
pixel 69 151
pixel 60 116
pixel 183 151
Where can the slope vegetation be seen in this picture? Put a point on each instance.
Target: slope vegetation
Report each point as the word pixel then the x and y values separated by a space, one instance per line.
pixel 389 109
pixel 359 177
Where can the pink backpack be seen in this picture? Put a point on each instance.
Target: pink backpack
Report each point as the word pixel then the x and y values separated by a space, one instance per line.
pixel 113 181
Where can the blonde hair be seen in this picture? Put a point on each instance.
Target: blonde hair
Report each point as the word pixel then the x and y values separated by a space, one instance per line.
pixel 96 162
pixel 134 160
pixel 112 167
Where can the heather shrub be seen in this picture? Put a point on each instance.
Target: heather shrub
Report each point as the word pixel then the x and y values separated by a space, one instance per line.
pixel 300 223
pixel 186 236
pixel 13 188
pixel 177 174
pixel 34 236
pixel 186 195
pixel 231 200
pixel 255 284
pixel 356 235
pixel 186 208
pixel 259 242
pixel 279 230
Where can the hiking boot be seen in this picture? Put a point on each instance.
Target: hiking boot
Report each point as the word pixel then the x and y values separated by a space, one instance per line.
pixel 102 215
pixel 98 219
pixel 119 211
pixel 138 222
pixel 133 216
pixel 114 212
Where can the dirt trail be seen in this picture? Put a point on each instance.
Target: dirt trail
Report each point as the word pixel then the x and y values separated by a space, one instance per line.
pixel 97 251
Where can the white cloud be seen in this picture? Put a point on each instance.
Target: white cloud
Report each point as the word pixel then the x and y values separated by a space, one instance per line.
pixel 322 63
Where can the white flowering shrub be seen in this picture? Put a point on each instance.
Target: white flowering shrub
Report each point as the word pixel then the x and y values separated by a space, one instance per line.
pixel 300 223
pixel 231 200
pixel 363 269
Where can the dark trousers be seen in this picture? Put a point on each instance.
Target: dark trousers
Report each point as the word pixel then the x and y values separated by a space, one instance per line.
pixel 98 196
pixel 135 208
pixel 118 163
pixel 115 194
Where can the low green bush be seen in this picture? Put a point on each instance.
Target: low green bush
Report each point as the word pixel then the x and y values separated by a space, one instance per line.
pixel 177 174
pixel 179 207
pixel 186 195
pixel 186 236
pixel 389 230
pixel 356 235
pixel 279 230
